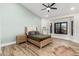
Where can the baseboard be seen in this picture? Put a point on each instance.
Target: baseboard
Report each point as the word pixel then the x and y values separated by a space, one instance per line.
pixel 74 40
pixel 6 44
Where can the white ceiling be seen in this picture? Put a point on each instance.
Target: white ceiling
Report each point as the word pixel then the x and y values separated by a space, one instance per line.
pixel 63 9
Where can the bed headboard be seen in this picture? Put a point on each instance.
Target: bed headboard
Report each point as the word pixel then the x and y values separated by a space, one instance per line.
pixel 27 29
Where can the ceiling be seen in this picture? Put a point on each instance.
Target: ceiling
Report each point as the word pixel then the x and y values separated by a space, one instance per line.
pixel 62 9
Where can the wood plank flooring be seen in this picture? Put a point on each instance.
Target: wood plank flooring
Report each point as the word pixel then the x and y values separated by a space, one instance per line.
pixel 28 49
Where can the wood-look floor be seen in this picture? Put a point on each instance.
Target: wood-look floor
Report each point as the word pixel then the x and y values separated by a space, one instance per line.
pixel 28 49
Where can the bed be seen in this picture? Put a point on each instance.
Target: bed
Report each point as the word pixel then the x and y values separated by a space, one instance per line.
pixel 38 39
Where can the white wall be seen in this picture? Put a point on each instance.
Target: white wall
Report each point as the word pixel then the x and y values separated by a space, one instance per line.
pixel 75 18
pixel 76 28
pixel 0 33
pixel 68 36
pixel 14 19
pixel 45 23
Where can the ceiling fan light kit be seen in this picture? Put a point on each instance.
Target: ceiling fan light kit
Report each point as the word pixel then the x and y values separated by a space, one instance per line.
pixel 48 8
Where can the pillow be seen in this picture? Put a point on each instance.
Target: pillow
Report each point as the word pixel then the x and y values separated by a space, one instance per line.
pixel 33 33
pixel 36 32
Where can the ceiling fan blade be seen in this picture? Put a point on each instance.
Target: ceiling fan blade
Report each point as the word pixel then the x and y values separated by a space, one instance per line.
pixel 53 8
pixel 52 4
pixel 48 5
pixel 43 9
pixel 45 5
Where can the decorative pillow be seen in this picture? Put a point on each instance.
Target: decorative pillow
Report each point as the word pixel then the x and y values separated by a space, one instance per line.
pixel 33 33
pixel 36 32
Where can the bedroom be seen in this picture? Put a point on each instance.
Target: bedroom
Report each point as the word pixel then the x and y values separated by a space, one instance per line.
pixel 16 16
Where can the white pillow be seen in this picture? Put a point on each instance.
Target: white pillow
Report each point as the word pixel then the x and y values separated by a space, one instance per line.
pixel 31 29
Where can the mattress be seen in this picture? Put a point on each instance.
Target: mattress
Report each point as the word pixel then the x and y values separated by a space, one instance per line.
pixel 39 37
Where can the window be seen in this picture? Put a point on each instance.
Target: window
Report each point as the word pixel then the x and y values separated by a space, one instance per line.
pixel 60 28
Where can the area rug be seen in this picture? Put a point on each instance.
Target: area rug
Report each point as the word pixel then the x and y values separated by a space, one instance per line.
pixel 64 51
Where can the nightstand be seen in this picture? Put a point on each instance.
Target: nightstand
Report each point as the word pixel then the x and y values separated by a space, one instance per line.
pixel 21 38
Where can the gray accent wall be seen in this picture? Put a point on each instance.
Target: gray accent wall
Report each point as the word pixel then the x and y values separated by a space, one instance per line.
pixel 14 18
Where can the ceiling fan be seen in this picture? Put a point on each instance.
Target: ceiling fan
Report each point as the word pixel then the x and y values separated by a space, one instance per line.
pixel 49 6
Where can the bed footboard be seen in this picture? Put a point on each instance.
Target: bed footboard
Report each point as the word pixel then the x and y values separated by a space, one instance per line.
pixel 41 43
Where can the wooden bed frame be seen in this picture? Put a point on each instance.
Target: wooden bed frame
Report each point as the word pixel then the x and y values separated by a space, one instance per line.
pixel 41 43
pixel 37 43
